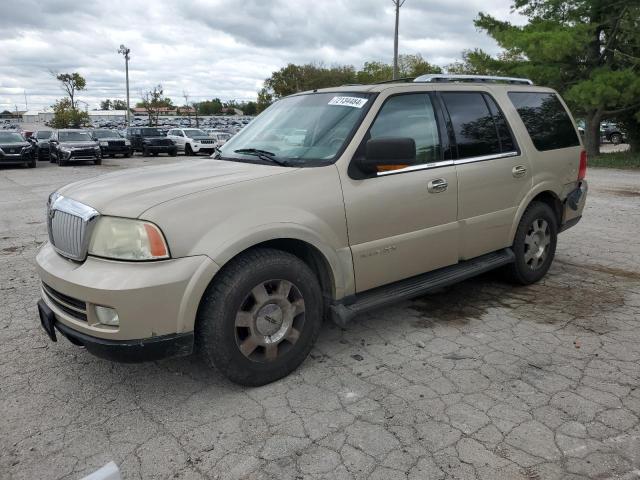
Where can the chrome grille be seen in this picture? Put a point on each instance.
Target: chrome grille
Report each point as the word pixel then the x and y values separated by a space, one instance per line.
pixel 70 224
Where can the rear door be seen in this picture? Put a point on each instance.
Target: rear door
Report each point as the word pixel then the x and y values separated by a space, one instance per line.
pixel 403 222
pixel 493 175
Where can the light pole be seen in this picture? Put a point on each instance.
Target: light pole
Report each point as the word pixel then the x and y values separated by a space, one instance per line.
pixel 398 4
pixel 125 51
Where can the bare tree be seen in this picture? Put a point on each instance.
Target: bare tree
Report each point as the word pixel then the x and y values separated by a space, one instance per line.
pixel 152 102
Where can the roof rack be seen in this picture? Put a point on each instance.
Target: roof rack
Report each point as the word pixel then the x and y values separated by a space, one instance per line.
pixel 397 80
pixel 433 78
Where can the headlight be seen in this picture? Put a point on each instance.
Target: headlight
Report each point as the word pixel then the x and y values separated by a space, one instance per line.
pixel 65 149
pixel 127 142
pixel 127 239
pixel 104 144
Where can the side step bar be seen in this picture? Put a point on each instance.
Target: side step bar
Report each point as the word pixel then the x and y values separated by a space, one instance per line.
pixel 346 309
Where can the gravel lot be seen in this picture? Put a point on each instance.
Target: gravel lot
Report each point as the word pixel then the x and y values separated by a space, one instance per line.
pixel 482 380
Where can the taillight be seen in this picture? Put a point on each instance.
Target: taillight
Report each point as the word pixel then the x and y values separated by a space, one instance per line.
pixel 582 171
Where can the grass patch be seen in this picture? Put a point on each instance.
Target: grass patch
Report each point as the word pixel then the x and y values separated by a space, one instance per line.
pixel 626 160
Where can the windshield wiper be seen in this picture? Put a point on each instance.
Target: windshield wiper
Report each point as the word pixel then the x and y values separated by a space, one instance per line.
pixel 263 155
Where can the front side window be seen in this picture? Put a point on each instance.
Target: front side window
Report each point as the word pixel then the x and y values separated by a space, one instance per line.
pixel 301 130
pixel 410 116
pixel 473 124
pixel 546 120
pixel 151 132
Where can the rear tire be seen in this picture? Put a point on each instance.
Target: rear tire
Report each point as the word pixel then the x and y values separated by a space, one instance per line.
pixel 534 244
pixel 616 139
pixel 260 317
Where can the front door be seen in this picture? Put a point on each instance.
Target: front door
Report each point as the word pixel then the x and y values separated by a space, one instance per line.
pixel 402 222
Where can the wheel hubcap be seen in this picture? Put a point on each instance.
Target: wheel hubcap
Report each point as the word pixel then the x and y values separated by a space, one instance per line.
pixel 536 243
pixel 269 320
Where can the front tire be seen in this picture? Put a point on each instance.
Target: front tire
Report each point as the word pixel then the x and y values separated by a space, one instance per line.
pixel 260 317
pixel 188 150
pixel 616 139
pixel 534 245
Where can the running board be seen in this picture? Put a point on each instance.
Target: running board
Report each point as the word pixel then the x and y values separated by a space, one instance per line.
pixel 345 310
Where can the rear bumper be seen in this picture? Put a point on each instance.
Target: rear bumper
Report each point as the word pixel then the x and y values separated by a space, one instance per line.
pixel 127 351
pixel 574 205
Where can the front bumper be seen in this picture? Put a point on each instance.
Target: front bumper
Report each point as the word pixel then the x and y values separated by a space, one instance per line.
pixel 207 148
pixel 128 351
pixel 161 148
pixel 117 150
pixel 14 158
pixel 152 299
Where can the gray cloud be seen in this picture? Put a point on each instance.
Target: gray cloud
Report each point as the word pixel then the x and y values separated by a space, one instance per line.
pixel 214 47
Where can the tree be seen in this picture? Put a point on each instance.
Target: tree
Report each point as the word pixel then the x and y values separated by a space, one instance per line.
pixel 249 108
pixel 586 49
pixel 210 107
pixel 152 102
pixel 113 105
pixel 65 116
pixel 71 83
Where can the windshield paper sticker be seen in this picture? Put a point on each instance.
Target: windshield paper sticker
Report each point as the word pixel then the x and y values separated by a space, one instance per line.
pixel 355 102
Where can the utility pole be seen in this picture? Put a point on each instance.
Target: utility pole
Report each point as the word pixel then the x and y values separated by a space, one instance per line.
pixel 398 4
pixel 125 51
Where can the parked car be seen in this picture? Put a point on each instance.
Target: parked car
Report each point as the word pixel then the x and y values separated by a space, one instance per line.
pixel 112 143
pixel 15 150
pixel 70 145
pixel 40 142
pixel 192 141
pixel 610 132
pixel 219 136
pixel 150 141
pixel 398 189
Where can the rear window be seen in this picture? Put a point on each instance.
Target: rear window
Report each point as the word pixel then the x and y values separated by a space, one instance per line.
pixel 546 120
pixel 478 124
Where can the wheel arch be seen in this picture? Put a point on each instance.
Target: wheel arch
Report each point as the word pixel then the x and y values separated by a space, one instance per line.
pixel 544 194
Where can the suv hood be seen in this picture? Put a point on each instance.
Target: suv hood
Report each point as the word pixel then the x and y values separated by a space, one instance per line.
pixel 130 192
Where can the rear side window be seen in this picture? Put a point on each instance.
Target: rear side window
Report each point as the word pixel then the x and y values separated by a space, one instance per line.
pixel 478 124
pixel 546 120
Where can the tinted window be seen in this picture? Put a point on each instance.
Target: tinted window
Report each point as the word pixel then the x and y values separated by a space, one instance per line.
pixel 410 116
pixel 473 124
pixel 504 134
pixel 546 120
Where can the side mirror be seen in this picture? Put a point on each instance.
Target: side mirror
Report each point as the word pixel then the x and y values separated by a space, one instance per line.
pixel 388 154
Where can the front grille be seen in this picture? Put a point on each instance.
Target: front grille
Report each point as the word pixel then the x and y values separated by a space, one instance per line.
pixel 161 142
pixel 83 152
pixel 71 306
pixel 70 224
pixel 67 233
pixel 116 143
pixel 207 141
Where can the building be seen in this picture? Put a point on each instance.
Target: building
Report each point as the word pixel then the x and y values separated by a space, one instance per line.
pixel 166 111
pixel 107 115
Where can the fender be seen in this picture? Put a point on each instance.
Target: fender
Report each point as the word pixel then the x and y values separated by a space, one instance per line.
pixel 545 186
pixel 339 260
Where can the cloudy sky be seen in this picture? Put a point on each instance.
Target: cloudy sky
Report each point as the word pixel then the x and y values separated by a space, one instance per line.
pixel 214 48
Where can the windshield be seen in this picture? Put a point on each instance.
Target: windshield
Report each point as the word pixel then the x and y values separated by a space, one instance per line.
pixel 152 132
pixel 303 129
pixel 74 137
pixel 6 137
pixel 223 136
pixel 106 134
pixel 43 135
pixel 194 132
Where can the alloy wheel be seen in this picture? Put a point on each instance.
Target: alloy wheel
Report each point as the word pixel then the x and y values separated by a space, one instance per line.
pixel 270 320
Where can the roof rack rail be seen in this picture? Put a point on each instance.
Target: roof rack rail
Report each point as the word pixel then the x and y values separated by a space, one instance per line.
pixel 397 80
pixel 433 78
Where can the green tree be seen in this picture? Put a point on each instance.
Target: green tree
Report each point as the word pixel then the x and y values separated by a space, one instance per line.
pixel 65 116
pixel 113 104
pixel 210 107
pixel 105 104
pixel 586 49
pixel 71 83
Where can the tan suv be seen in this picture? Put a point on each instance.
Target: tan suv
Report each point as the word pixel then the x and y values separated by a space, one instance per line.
pixel 330 203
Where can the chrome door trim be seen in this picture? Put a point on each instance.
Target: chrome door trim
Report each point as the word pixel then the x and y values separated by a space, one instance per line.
pixel 484 158
pixel 414 168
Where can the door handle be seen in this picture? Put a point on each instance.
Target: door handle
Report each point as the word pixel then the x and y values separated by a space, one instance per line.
pixel 437 185
pixel 519 171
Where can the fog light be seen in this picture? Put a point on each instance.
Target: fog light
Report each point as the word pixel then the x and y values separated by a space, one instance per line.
pixel 107 316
